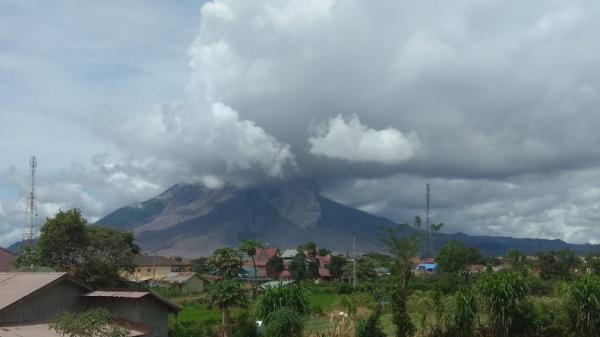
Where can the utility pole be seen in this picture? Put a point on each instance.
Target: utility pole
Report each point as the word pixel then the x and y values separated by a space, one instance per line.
pixel 354 262
pixel 154 268
pixel 428 221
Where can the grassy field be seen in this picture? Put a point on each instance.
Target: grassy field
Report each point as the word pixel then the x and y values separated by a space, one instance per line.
pixel 324 302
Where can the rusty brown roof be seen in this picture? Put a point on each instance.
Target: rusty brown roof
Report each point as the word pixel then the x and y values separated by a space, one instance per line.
pixel 6 259
pixel 16 286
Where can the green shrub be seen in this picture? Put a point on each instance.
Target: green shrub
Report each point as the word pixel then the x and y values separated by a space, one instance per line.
pixel 343 289
pixel 548 319
pixel 191 329
pixel 349 304
pixel 292 297
pixel 245 325
pixel 370 327
pixel 284 322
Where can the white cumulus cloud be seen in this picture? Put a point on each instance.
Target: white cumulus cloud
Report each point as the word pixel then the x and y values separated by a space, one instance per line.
pixel 349 139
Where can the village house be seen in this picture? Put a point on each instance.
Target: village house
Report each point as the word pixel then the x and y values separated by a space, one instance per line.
pixel 185 282
pixel 324 262
pixel 157 267
pixel 476 268
pixel 262 257
pixel 6 260
pixel 30 301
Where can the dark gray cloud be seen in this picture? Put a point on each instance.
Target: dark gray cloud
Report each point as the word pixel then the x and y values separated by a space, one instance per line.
pixel 492 103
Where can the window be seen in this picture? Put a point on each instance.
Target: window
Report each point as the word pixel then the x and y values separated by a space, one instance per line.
pixel 148 270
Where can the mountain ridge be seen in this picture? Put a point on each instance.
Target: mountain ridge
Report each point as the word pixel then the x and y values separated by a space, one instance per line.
pixel 192 220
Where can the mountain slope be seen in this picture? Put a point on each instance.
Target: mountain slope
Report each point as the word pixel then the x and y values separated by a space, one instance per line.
pixel 192 220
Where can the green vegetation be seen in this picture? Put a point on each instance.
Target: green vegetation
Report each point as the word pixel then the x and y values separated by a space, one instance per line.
pixel 370 327
pixel 92 323
pixel 226 294
pixel 585 305
pixel 284 322
pixel 273 299
pixel 95 254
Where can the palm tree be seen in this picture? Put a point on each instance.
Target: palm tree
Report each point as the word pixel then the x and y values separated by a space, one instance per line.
pixel 226 294
pixel 249 247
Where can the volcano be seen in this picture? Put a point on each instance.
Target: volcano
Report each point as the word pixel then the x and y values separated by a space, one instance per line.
pixel 192 220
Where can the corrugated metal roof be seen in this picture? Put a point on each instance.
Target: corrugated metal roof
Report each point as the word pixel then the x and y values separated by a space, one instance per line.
pixel 43 330
pixel 178 278
pixel 120 294
pixel 132 294
pixel 150 260
pixel 15 286
pixel 289 253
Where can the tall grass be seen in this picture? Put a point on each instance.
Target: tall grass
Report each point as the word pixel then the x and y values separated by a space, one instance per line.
pixel 584 295
pixel 503 294
pixel 292 297
pixel 465 312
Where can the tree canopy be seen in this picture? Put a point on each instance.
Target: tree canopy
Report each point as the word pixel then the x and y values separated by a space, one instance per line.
pixel 455 257
pixel 97 255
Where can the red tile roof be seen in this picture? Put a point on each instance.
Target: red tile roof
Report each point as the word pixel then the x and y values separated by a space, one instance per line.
pixel 6 258
pixel 263 255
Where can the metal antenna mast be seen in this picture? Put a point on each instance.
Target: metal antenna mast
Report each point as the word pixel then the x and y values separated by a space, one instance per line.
pixel 29 234
pixel 354 262
pixel 428 221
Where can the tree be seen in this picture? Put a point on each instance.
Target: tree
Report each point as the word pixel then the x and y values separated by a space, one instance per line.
pixel 108 254
pixel 309 249
pixel 249 247
pixel 96 254
pixel 402 249
pixel 199 265
pixel 28 258
pixel 455 257
pixel 92 323
pixel 298 267
pixel 336 266
pixel 312 268
pixel 226 294
pixel 225 262
pixel 365 268
pixel 557 264
pixel 62 239
pixel 275 266
pixel 323 252
pixel 515 258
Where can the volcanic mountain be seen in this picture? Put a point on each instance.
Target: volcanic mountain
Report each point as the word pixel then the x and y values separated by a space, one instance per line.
pixel 191 220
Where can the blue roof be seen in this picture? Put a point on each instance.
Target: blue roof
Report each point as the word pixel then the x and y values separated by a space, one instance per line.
pixel 427 266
